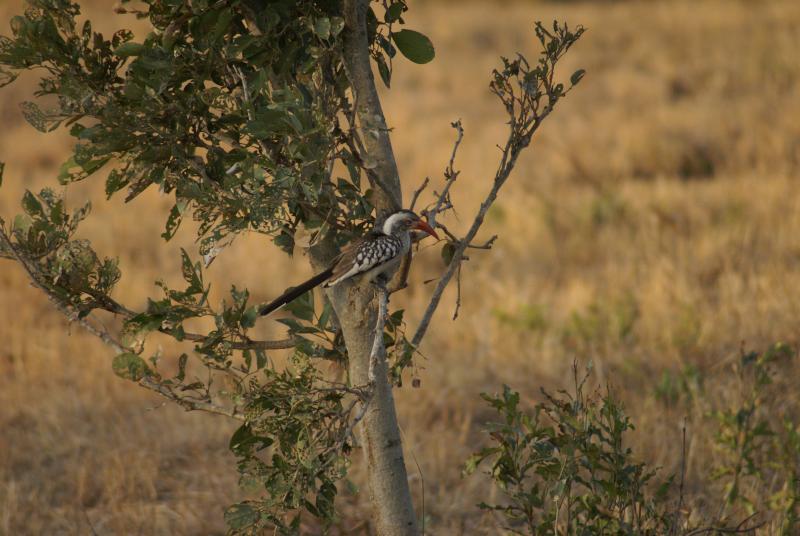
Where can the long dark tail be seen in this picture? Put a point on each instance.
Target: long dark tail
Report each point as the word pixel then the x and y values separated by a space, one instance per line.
pixel 295 292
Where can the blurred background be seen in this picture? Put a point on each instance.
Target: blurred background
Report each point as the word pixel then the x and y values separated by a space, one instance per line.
pixel 653 228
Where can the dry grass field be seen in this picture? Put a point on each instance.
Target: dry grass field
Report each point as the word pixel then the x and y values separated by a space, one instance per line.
pixel 653 227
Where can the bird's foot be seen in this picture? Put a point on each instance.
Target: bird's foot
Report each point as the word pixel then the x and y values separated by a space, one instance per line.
pixel 380 282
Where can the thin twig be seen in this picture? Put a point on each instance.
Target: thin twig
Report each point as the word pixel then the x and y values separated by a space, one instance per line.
pixel 683 474
pixel 457 255
pixel 249 344
pixel 190 404
pixel 739 529
pixel 248 104
pixel 451 236
pixel 418 191
pixel 516 142
pixel 458 292
pixel 487 245
pixel 443 201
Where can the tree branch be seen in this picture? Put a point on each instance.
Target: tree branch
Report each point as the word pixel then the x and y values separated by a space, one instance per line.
pixel 510 154
pixel 443 203
pixel 379 160
pixel 355 304
pixel 101 333
pixel 521 91
pixel 378 352
pixel 249 344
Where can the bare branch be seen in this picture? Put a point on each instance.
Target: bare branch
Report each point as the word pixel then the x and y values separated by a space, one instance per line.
pixel 190 404
pixel 443 203
pixel 521 91
pixel 487 245
pixel 516 142
pixel 458 293
pixel 417 192
pixel 249 344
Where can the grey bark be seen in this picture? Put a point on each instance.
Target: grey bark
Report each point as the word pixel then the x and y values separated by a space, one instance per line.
pixel 355 303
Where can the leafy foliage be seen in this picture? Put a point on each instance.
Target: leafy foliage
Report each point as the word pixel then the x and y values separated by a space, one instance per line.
pixel 758 440
pixel 74 273
pixel 564 469
pixel 293 445
pixel 235 107
pixel 242 111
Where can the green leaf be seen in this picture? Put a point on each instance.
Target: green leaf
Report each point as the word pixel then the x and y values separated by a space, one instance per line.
pixel 31 205
pixel 269 122
pixel 243 441
pixel 174 219
pixel 393 13
pixel 38 119
pixel 414 46
pixel 302 307
pixel 295 326
pixel 223 23
pixel 322 27
pixel 577 76
pixel 248 360
pixel 383 69
pixel 191 272
pixel 116 181
pixel 249 317
pixel 22 224
pixel 261 359
pixel 242 437
pixel 129 49
pixel 337 25
pixel 129 366
pixel 240 516
pixel 182 367
pixel 325 315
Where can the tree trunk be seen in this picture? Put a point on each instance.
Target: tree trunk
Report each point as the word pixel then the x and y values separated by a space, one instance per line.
pixel 355 304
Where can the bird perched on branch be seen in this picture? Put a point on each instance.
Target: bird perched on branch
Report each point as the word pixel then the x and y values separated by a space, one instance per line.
pixel 376 255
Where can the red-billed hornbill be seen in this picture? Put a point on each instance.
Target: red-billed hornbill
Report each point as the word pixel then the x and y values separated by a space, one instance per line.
pixel 376 255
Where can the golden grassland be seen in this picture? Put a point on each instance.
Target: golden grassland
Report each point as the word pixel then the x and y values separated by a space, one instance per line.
pixel 653 225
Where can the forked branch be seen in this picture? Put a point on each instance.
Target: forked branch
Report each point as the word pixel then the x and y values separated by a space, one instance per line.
pixel 529 95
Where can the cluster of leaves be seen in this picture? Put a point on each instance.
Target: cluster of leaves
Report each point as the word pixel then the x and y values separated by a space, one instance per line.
pixel 68 268
pixel 412 44
pixel 529 93
pixel 758 440
pixel 234 106
pixel 564 468
pixel 305 421
pixel 294 446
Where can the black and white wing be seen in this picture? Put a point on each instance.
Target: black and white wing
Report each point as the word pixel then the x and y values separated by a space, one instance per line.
pixel 369 254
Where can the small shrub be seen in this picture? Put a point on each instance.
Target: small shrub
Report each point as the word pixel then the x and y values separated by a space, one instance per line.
pixel 564 469
pixel 758 442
